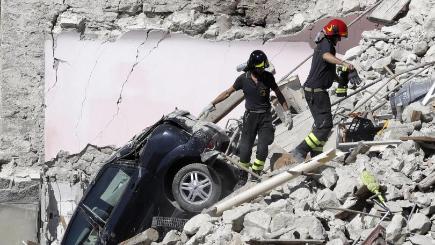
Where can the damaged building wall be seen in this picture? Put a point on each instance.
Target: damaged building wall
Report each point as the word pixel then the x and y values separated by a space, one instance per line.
pixel 26 25
pixel 306 208
pixel 104 93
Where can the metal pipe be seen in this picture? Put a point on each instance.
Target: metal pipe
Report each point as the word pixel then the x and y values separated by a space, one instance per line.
pixel 349 25
pixel 352 211
pixel 391 78
pixel 371 143
pixel 273 182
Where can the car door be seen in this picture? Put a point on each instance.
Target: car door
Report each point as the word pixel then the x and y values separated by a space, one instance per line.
pixel 106 192
pixel 136 210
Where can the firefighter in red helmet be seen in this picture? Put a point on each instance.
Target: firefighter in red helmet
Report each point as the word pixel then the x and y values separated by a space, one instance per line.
pixel 322 75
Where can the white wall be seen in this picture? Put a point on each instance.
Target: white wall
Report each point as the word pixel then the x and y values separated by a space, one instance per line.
pixel 172 71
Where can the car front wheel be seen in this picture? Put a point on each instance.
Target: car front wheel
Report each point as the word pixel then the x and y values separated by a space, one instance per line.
pixel 196 186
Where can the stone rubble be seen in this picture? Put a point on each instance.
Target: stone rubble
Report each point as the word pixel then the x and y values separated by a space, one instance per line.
pixel 299 211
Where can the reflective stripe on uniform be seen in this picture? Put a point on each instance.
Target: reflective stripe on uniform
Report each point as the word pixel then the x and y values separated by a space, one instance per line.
pixel 261 65
pixel 314 139
pixel 318 149
pixel 341 90
pixel 258 165
pixel 314 143
pixel 310 143
pixel 245 164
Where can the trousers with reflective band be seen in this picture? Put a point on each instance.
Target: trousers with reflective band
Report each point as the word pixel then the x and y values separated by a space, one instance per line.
pixel 245 164
pixel 258 165
pixel 320 108
pixel 256 124
pixel 314 143
pixel 341 91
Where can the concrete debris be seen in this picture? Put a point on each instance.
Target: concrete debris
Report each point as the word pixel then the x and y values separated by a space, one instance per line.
pixel 257 222
pixel 281 221
pixel 194 224
pixel 394 229
pixel 421 240
pixel 327 198
pixel 235 216
pixel 329 177
pixel 146 238
pixel 171 238
pixel 419 223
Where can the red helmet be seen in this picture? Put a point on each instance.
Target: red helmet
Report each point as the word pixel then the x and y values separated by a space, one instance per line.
pixel 335 27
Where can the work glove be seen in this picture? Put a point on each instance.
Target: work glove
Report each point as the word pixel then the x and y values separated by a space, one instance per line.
pixel 204 113
pixel 343 79
pixel 288 119
pixel 354 79
pixel 369 180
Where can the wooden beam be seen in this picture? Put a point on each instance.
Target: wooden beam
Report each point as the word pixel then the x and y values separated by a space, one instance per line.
pixel 273 182
pixel 427 182
pixel 418 138
pixel 287 241
pixel 388 10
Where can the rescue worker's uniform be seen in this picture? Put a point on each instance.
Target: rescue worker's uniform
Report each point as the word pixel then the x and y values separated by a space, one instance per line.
pixel 257 118
pixel 320 78
pixel 256 83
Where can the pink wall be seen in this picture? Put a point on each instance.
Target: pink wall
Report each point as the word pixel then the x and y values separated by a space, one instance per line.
pixel 181 72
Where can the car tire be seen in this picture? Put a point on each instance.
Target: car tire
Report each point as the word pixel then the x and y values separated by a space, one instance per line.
pixel 196 187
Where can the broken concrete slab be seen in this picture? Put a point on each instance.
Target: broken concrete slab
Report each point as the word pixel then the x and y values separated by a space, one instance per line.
pixel 194 224
pixel 394 228
pixel 277 207
pixel 329 177
pixel 171 238
pixel 387 11
pixel 147 237
pixel 258 219
pixel 327 198
pixel 346 184
pixel 419 223
pixel 281 220
pixel 235 216
pixel 352 53
pixel 421 240
pixel 310 227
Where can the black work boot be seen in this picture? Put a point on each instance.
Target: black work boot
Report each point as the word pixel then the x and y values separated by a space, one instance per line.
pixel 243 178
pixel 298 156
pixel 315 153
pixel 300 152
pixel 253 178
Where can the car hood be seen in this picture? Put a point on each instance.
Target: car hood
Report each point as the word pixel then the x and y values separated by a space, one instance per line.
pixel 183 119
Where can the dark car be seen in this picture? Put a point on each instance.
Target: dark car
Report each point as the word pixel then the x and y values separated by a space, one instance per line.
pixel 159 173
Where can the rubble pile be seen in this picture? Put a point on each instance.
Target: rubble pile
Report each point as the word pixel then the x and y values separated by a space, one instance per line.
pixel 401 46
pixel 220 20
pixel 300 209
pixel 77 167
pixel 322 208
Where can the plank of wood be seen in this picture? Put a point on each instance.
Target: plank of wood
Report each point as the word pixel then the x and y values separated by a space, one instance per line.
pixel 418 138
pixel 388 10
pixel 287 241
pixel 427 182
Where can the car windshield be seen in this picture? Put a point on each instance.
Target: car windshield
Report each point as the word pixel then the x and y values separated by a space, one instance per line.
pixel 98 205
pixel 82 231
